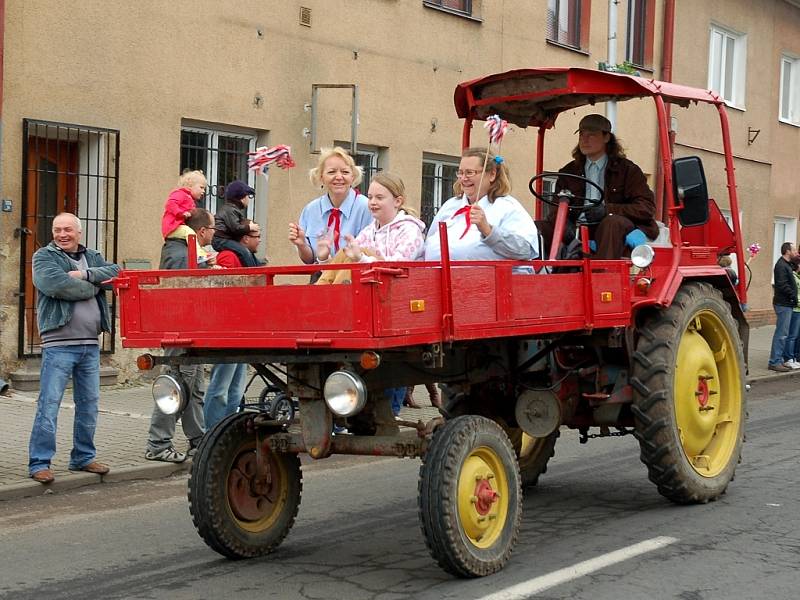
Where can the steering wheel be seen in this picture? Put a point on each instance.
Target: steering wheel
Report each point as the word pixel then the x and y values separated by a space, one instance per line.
pixel 552 198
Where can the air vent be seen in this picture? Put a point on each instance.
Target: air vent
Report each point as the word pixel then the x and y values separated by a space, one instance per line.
pixel 305 16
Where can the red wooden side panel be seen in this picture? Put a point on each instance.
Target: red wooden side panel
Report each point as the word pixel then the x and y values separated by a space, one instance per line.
pixel 547 296
pixel 474 295
pixel 394 313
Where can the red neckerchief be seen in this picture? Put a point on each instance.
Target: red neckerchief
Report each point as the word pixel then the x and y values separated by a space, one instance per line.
pixel 335 219
pixel 464 210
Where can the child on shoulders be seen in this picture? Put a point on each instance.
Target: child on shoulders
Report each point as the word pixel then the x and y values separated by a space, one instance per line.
pixel 179 206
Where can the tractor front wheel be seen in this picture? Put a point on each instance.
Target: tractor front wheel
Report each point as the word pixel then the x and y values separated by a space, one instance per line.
pixel 470 497
pixel 689 404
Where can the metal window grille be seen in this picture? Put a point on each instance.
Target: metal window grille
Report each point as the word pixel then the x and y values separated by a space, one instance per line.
pixel 222 156
pixel 564 22
pixel 66 168
pixel 438 177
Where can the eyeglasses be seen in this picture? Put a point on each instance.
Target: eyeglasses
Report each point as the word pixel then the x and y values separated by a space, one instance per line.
pixel 467 172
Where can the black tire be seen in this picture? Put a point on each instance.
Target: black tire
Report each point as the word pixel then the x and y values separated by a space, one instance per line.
pixel 252 522
pixel 469 531
pixel 689 401
pixel 533 453
pixel 267 397
pixel 533 456
pixel 282 408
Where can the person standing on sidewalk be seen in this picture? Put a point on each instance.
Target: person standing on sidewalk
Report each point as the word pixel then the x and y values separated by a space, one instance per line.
pixel 175 255
pixel 784 299
pixel 227 381
pixel 71 311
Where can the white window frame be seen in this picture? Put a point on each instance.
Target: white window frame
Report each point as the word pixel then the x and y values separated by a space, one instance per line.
pixel 727 65
pixel 784 229
pixel 213 162
pixel 789 107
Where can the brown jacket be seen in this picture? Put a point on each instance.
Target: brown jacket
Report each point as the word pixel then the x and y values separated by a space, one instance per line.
pixel 626 191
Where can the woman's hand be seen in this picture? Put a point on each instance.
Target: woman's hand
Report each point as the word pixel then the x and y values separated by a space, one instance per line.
pixel 478 218
pixel 323 249
pixel 296 235
pixel 352 250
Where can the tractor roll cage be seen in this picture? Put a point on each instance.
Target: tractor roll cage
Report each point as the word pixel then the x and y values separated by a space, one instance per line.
pixel 536 97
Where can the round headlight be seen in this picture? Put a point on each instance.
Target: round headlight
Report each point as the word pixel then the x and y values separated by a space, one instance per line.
pixel 642 256
pixel 168 394
pixel 345 393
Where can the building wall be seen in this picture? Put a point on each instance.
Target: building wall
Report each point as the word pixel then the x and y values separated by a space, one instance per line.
pixel 145 68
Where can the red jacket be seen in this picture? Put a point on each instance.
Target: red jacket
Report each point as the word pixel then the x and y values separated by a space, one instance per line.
pixel 228 259
pixel 180 201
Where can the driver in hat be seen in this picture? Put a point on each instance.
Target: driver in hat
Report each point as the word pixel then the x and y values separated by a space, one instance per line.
pixel 626 214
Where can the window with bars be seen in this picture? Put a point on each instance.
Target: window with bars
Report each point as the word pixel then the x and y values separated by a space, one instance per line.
pixel 222 156
pixel 438 177
pixel 568 22
pixel 789 111
pixel 369 159
pixel 726 65
pixel 463 7
pixel 641 27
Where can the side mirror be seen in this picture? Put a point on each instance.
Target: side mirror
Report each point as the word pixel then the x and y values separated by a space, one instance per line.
pixel 690 189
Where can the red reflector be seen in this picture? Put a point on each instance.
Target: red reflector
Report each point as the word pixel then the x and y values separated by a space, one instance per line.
pixel 145 362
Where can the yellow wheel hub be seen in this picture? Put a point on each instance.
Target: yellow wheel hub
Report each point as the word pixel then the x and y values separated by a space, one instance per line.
pixel 707 394
pixel 483 497
pixel 255 500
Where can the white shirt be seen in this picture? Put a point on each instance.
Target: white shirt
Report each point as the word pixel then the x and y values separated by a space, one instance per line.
pixel 513 236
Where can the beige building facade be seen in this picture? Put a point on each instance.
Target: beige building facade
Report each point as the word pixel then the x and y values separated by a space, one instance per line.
pixel 104 103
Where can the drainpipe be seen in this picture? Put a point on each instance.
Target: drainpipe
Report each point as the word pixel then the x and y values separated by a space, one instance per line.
pixel 611 105
pixel 666 75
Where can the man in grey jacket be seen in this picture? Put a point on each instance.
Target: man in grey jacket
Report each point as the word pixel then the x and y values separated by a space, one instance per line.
pixel 71 310
pixel 175 255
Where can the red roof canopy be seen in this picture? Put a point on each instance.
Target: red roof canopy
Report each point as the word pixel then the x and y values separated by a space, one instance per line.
pixel 537 96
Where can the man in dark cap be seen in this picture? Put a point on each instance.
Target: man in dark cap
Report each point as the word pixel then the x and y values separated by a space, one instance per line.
pixel 628 208
pixel 231 222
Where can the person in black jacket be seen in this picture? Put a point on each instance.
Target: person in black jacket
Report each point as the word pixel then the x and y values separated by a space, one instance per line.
pixel 231 222
pixel 784 299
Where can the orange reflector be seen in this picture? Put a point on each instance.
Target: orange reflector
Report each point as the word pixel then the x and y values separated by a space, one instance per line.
pixel 606 296
pixel 417 306
pixel 145 362
pixel 370 360
pixel 642 285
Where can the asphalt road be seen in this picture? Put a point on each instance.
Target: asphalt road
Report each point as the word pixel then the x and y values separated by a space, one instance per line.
pixel 595 527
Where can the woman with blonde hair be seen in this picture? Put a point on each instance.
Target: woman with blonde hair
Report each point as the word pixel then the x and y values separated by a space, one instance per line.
pixel 338 212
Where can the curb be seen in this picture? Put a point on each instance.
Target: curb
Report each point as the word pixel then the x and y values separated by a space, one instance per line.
pixel 30 489
pixel 773 377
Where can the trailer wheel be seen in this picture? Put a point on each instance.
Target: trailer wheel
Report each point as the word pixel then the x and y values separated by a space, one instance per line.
pixel 236 514
pixel 689 404
pixel 470 497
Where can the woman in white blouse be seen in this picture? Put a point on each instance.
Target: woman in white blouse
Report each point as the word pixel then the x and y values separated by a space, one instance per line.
pixel 483 221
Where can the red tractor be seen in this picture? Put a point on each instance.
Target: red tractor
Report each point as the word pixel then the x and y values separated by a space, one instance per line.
pixel 651 345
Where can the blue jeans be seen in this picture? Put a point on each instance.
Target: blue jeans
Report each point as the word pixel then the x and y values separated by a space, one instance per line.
pixel 224 393
pixel 784 318
pixel 59 363
pixel 790 350
pixel 396 395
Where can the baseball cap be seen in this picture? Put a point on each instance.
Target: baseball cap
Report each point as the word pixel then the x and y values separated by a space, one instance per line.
pixel 237 189
pixel 594 122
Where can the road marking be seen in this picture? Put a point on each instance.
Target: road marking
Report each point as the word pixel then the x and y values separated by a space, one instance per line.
pixel 544 582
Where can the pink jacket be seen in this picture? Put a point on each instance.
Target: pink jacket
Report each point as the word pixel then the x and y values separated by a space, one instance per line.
pixel 180 201
pixel 400 239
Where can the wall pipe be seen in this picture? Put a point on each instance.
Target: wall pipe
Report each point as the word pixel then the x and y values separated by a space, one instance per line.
pixel 667 46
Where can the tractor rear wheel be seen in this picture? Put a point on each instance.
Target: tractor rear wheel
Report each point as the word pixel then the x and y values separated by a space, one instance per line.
pixel 238 511
pixel 470 499
pixel 689 404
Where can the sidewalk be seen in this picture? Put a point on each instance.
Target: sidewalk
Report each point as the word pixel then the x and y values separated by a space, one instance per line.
pixel 125 418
